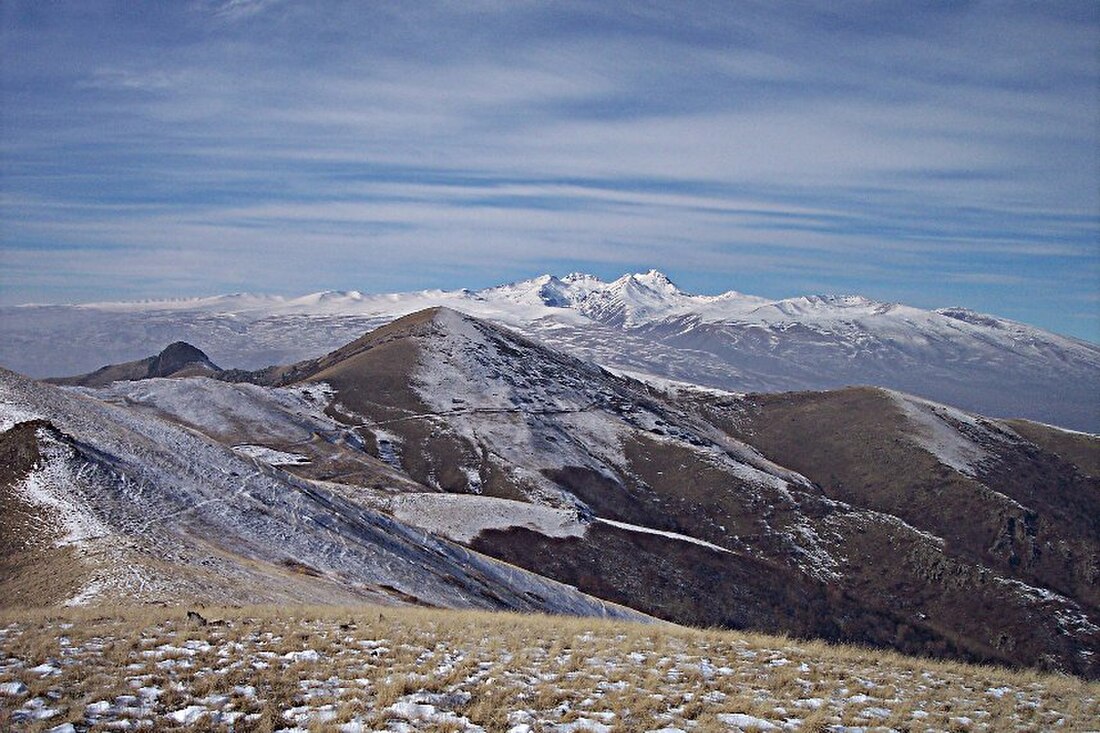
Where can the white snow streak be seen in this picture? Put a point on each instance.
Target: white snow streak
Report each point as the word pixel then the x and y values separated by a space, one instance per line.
pixel 670 535
pixel 11 415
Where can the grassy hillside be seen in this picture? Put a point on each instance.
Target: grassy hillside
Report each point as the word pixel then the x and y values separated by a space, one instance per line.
pixel 367 668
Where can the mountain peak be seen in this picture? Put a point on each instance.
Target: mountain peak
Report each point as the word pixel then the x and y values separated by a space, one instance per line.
pixel 632 298
pixel 653 280
pixel 182 349
pixel 178 356
pixel 581 277
pixel 178 359
pixel 656 279
pixel 546 290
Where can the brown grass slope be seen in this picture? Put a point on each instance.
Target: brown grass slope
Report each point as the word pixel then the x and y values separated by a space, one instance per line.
pixel 373 377
pixel 1029 514
pixel 1080 449
pixel 420 669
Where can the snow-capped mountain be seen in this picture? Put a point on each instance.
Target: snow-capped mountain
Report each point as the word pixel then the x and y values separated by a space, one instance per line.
pixel 640 323
pixel 630 301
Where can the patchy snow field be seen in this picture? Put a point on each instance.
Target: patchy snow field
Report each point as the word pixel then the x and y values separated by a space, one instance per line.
pixel 384 669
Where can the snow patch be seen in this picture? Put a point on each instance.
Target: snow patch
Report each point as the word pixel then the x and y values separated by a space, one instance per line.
pixel 937 430
pixel 13 688
pixel 462 518
pixel 740 721
pixel 425 707
pixel 1071 619
pixel 389 446
pixel 280 415
pixel 306 655
pixel 810 554
pixel 188 715
pixel 473 478
pixel 672 386
pixel 11 415
pixel 270 455
pixel 87 594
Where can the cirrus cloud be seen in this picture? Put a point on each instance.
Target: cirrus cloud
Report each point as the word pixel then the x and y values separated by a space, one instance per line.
pixel 926 152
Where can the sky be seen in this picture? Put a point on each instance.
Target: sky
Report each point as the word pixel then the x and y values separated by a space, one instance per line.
pixel 931 153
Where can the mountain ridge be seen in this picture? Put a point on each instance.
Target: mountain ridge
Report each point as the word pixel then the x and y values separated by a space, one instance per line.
pixel 580 284
pixel 641 323
pixel 681 505
pixel 157 512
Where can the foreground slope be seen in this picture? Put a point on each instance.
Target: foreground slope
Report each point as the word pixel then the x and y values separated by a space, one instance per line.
pixel 680 507
pixel 123 505
pixel 333 669
pixel 639 323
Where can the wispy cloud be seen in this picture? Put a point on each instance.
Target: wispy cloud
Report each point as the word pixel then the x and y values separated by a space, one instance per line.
pixel 923 152
pixel 985 278
pixel 238 9
pixel 126 79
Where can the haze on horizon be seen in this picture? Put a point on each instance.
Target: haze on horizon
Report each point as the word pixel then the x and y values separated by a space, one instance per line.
pixel 935 154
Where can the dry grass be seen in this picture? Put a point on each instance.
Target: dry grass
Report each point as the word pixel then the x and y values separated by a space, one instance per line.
pixel 321 669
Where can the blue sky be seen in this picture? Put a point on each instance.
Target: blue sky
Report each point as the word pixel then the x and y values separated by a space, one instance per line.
pixel 936 154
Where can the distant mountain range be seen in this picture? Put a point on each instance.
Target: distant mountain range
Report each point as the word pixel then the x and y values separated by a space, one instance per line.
pixel 443 459
pixel 640 324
